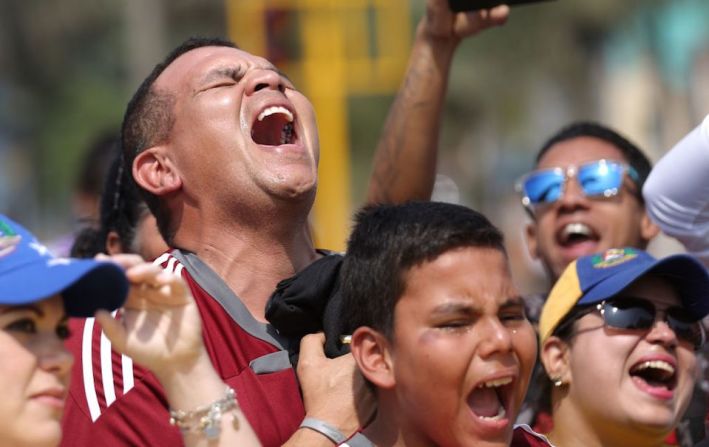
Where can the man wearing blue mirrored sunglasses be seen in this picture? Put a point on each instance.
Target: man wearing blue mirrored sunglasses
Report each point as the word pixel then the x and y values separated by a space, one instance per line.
pixel 584 196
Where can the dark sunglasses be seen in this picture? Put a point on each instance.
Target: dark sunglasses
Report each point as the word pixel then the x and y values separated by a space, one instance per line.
pixel 630 313
pixel 600 178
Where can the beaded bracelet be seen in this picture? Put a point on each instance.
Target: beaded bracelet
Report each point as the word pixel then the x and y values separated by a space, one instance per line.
pixel 206 419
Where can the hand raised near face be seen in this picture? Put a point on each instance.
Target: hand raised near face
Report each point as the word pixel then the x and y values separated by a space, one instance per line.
pixel 159 325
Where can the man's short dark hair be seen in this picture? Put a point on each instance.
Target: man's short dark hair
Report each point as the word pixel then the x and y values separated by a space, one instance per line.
pixel 388 240
pixel 148 120
pixel 631 152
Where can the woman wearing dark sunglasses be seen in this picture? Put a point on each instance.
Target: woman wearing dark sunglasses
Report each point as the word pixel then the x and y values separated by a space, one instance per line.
pixel 619 334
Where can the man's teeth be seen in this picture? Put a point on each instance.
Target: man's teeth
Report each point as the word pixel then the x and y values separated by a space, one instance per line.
pixel 501 412
pixel 656 364
pixel 276 109
pixel 577 228
pixel 496 383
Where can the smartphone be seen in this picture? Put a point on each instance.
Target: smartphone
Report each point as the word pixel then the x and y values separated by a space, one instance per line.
pixel 473 5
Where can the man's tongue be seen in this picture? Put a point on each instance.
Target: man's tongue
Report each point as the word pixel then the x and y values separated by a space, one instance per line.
pixel 267 132
pixel 580 247
pixel 484 402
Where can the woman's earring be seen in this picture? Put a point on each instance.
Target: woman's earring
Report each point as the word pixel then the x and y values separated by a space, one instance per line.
pixel 557 381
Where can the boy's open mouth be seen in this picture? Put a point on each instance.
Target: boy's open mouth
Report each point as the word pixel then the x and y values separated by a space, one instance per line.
pixel 489 399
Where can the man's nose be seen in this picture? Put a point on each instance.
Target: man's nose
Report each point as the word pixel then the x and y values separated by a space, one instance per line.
pixel 264 79
pixel 573 194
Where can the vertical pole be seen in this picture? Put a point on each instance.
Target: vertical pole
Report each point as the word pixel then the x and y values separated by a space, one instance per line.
pixel 326 83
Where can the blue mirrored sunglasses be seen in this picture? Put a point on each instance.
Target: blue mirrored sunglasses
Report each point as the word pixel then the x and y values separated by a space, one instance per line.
pixel 601 178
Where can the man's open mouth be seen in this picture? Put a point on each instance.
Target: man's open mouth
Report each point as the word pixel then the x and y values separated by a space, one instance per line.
pixel 274 127
pixel 576 233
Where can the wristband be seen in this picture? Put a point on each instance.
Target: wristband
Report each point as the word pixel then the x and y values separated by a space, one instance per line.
pixel 324 429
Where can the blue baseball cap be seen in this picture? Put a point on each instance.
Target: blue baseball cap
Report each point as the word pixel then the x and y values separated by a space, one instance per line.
pixel 594 278
pixel 30 273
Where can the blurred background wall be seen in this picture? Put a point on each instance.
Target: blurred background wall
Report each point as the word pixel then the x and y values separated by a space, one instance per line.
pixel 68 68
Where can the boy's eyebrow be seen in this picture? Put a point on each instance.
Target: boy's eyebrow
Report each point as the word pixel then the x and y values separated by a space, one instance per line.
pixel 514 301
pixel 468 308
pixel 454 307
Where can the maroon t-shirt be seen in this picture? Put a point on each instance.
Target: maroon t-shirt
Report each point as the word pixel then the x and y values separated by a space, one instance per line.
pixel 113 401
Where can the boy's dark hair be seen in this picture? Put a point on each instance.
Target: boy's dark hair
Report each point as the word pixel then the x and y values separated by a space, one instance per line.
pixel 632 153
pixel 388 240
pixel 148 120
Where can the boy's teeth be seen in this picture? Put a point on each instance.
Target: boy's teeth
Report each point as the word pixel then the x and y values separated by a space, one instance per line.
pixel 500 414
pixel 495 383
pixel 276 109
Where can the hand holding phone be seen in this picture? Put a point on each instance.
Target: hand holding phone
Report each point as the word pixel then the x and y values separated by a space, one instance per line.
pixel 474 5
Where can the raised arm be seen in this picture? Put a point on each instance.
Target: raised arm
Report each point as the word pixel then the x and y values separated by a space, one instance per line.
pixel 404 166
pixel 677 192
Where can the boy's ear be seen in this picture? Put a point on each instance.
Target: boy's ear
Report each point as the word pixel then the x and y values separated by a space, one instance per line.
pixel 555 358
pixel 155 172
pixel 371 351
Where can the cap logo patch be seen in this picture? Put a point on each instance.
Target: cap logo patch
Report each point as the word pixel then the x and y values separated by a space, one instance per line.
pixel 8 239
pixel 613 257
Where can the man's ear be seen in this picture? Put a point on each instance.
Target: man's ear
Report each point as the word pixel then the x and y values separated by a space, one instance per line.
pixel 554 356
pixel 371 351
pixel 530 234
pixel 114 245
pixel 648 229
pixel 155 172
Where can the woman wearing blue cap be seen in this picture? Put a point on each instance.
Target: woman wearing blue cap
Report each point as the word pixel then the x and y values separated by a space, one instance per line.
pixel 159 327
pixel 619 334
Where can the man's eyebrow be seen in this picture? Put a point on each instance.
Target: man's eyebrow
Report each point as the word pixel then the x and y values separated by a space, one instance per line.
pixel 27 307
pixel 220 73
pixel 232 72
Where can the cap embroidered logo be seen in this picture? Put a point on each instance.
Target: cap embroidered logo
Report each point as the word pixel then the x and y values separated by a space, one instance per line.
pixel 613 257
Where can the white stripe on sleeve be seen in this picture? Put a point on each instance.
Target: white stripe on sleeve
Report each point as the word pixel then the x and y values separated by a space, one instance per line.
pixel 87 370
pixel 109 390
pixel 127 367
